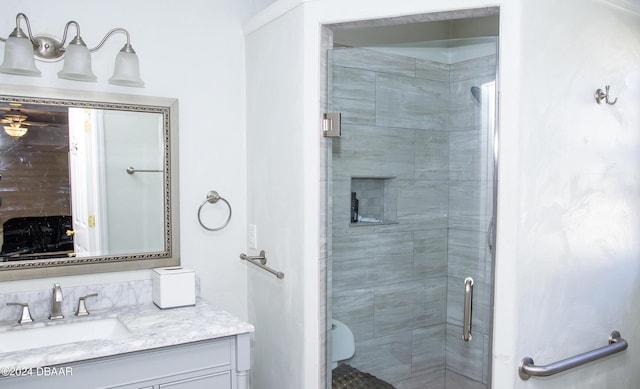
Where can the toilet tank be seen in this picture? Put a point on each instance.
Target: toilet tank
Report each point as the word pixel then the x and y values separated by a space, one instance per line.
pixel 343 345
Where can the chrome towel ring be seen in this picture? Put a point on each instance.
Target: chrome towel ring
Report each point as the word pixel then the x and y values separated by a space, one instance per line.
pixel 213 197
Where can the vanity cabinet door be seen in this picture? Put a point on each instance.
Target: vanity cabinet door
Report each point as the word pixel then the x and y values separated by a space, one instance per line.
pixel 221 380
pixel 206 364
pixel 211 381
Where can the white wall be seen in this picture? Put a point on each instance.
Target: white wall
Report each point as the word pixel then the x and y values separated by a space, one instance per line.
pixel 193 51
pixel 276 172
pixel 574 233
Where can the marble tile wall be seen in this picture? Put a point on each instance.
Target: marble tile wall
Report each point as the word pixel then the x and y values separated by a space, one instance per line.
pixel 112 295
pixel 391 283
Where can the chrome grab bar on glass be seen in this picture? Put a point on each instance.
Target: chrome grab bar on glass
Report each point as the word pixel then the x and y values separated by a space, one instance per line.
pixel 132 170
pixel 468 297
pixel 528 369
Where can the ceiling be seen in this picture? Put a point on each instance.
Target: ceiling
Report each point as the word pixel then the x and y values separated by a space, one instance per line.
pixel 404 34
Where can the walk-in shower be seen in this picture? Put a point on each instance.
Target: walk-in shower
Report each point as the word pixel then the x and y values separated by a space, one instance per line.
pixel 415 162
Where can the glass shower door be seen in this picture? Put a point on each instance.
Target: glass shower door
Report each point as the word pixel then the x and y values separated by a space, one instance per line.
pixel 411 200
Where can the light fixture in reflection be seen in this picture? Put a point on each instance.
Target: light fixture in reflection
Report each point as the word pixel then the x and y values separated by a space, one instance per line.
pixel 14 125
pixel 22 49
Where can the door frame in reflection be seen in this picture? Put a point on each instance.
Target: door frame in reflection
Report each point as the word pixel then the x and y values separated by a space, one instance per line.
pixel 87 179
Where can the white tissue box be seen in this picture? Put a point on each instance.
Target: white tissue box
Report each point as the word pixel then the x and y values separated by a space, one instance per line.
pixel 173 287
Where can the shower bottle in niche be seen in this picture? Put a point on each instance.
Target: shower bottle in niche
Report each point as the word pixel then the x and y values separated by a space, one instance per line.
pixel 354 208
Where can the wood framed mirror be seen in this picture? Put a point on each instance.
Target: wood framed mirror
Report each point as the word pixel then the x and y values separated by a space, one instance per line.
pixel 88 182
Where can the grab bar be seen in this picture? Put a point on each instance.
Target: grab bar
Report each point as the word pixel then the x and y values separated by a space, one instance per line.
pixel 528 369
pixel 132 170
pixel 261 261
pixel 468 297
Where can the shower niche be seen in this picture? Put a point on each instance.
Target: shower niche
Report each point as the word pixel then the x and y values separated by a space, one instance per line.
pixel 373 201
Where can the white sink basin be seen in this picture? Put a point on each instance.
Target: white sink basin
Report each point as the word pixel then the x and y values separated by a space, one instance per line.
pixel 56 334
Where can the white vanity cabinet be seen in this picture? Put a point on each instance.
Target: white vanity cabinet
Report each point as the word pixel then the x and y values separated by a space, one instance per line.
pixel 221 363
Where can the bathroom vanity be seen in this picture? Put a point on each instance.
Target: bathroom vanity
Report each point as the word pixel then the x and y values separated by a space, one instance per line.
pixel 125 341
pixel 189 347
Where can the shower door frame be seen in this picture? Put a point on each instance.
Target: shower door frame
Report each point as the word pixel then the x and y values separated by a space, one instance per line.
pixel 325 266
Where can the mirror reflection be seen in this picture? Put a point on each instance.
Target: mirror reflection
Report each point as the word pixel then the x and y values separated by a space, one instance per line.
pixel 81 181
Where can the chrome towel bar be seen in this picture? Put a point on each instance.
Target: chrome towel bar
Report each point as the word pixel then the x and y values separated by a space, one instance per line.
pixel 261 261
pixel 528 369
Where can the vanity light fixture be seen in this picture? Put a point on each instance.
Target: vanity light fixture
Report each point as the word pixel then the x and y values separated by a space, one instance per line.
pixel 21 50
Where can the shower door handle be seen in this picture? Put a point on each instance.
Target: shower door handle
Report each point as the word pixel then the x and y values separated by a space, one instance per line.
pixel 468 297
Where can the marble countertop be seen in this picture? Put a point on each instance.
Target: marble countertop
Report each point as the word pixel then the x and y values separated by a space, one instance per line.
pixel 150 327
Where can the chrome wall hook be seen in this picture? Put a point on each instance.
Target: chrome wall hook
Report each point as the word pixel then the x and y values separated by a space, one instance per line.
pixel 600 96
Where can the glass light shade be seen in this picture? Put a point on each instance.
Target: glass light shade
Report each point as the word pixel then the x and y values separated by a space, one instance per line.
pixel 127 70
pixel 77 64
pixel 15 132
pixel 18 57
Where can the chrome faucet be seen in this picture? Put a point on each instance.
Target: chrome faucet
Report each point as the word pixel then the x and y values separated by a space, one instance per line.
pixel 25 317
pixel 82 306
pixel 56 303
